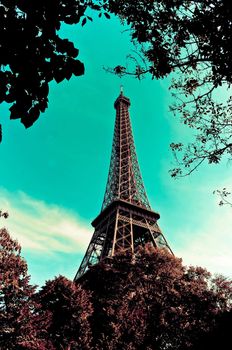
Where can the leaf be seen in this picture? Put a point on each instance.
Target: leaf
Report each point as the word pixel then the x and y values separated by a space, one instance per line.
pixel 59 75
pixel 78 68
pixel 14 112
pixel 44 89
pixel 68 74
pixel 83 21
pixel 107 15
pixel 43 105
pixel 75 52
pixel 95 7
pixel 31 117
pixel 9 98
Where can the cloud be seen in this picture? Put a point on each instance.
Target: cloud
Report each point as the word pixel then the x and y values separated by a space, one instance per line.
pixel 198 229
pixel 46 228
pixel 209 243
pixel 42 227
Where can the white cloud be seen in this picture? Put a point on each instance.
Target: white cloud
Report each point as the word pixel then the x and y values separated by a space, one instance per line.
pixel 209 243
pixel 200 231
pixel 46 228
pixel 43 227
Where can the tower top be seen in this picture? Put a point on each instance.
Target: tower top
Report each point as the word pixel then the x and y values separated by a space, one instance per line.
pixel 124 179
pixel 122 99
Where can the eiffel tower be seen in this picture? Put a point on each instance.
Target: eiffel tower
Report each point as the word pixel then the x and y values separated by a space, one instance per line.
pixel 126 220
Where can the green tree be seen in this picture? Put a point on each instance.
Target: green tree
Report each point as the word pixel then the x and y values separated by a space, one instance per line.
pixel 32 53
pixel 70 308
pixel 22 323
pixel 150 301
pixel 153 302
pixel 193 40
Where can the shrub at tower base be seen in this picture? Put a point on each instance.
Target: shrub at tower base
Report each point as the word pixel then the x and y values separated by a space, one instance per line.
pixel 154 302
pixel 71 308
pixel 150 302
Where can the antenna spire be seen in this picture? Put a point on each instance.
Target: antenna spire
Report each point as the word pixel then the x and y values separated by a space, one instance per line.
pixel 121 89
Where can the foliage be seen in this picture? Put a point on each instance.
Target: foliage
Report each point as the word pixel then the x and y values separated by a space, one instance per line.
pixel 189 38
pixel 220 337
pixel 55 318
pixel 22 323
pixel 224 194
pixel 3 214
pixel 192 39
pixel 153 302
pixel 150 301
pixel 32 52
pixel 70 308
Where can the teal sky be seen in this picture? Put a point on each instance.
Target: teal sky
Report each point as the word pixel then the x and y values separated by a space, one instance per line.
pixel 53 175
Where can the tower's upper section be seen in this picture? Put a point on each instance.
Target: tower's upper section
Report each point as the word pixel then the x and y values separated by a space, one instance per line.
pixel 123 100
pixel 124 179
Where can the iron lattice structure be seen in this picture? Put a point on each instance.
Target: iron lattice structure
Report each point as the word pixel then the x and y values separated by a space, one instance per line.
pixel 124 179
pixel 126 220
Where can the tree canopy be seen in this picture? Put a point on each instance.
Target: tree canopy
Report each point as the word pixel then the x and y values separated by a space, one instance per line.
pixel 189 40
pixel 32 52
pixel 150 301
pixel 192 41
pixel 70 308
pixel 23 323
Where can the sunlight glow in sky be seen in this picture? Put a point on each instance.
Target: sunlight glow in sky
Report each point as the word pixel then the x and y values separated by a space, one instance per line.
pixel 53 175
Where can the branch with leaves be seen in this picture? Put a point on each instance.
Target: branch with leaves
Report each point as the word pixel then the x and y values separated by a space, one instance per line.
pixel 225 197
pixel 192 41
pixel 32 52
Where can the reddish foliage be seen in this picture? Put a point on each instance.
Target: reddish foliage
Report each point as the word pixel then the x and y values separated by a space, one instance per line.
pixel 150 301
pixel 153 302
pixel 22 323
pixel 70 308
